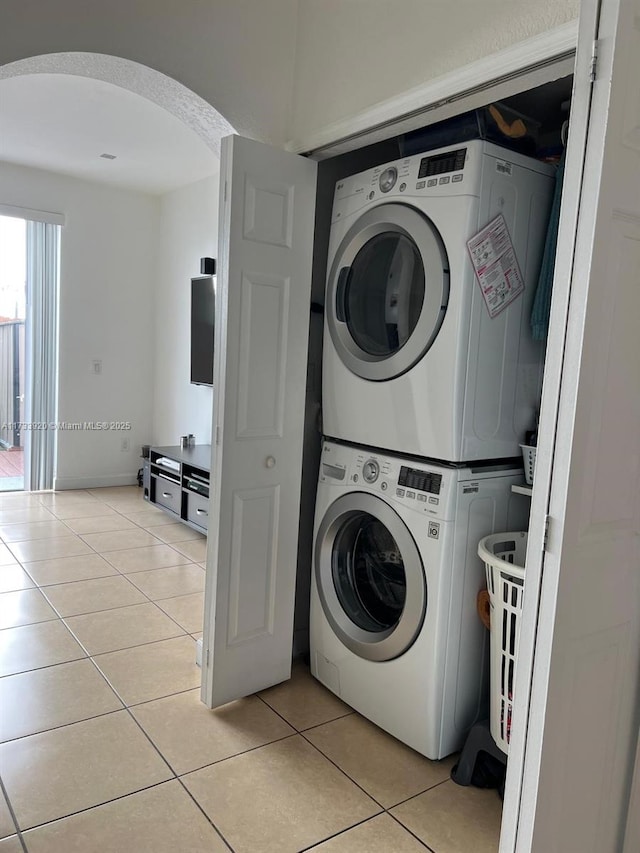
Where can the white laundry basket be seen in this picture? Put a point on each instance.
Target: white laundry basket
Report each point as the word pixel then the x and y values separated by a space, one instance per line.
pixel 529 461
pixel 503 555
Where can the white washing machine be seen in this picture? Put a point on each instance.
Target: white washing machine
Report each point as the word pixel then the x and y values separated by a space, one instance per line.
pixel 394 627
pixel 413 362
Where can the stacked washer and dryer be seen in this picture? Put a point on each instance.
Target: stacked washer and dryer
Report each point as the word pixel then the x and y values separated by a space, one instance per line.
pixel 425 400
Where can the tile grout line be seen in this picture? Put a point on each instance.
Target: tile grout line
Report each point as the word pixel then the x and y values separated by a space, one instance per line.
pixel 98 577
pixel 99 654
pixel 107 609
pixel 385 810
pixel 317 844
pixel 18 831
pixel 96 806
pixel 121 574
pixel 64 725
pixel 343 772
pixel 125 707
pixel 80 536
pixel 176 777
pixel 295 732
pixel 125 607
pixel 206 816
pixel 236 754
pixel 104 609
pixel 410 831
pixel 62 619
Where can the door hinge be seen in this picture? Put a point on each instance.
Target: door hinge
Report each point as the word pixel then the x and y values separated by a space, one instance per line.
pixel 225 190
pixel 545 540
pixel 593 66
pixel 217 435
pixel 208 659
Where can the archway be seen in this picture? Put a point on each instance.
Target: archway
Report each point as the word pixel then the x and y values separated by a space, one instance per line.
pixel 80 310
pixel 181 102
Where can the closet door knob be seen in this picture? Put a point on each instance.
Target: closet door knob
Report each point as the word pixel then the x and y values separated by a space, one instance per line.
pixel 270 462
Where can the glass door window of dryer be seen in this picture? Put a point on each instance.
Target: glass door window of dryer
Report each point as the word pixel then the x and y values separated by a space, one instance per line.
pixel 384 294
pixel 388 292
pixel 370 577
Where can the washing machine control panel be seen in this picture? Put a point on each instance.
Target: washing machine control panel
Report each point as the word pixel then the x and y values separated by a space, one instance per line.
pixel 422 481
pixel 422 489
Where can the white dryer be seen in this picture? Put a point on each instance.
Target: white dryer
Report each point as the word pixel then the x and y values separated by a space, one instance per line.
pixel 413 362
pixel 394 627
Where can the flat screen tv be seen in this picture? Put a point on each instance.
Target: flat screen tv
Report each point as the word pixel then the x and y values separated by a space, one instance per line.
pixel 203 305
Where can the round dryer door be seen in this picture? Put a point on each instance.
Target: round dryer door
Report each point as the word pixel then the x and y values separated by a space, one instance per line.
pixel 370 577
pixel 387 292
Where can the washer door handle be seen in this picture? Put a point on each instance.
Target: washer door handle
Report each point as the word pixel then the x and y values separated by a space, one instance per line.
pixel 341 293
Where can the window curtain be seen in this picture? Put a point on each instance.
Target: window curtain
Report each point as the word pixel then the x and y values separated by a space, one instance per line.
pixel 43 260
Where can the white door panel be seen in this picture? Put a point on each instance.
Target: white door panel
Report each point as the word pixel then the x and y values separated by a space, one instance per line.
pixel 575 748
pixel 262 323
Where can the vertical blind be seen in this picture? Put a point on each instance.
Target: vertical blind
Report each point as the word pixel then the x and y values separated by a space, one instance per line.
pixel 43 259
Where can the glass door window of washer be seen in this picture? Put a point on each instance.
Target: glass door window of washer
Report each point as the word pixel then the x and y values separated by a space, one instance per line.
pixel 370 577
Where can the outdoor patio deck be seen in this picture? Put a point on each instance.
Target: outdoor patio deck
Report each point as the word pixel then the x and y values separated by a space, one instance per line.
pixel 11 470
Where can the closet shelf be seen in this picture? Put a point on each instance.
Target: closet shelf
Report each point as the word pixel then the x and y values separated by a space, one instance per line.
pixel 522 490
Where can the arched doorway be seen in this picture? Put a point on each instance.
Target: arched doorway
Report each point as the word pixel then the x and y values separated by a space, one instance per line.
pixel 105 79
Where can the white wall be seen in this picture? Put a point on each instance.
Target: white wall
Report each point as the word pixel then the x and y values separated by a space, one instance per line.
pixel 236 54
pixel 283 69
pixel 352 54
pixel 106 312
pixel 188 231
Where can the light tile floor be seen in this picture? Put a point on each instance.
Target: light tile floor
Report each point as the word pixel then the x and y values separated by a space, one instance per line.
pixel 105 746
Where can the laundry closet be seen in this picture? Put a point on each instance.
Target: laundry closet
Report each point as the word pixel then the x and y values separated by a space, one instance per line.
pixel 427 394
pixel 270 409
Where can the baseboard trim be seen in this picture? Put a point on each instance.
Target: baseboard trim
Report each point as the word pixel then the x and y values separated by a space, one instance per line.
pixel 96 481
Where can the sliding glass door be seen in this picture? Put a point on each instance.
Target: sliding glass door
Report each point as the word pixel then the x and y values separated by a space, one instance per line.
pixel 29 272
pixel 13 274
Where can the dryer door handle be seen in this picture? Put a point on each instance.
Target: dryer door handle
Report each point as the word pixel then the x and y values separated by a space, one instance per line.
pixel 341 293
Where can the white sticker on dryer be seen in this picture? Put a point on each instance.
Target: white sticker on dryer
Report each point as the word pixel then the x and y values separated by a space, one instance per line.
pixel 495 265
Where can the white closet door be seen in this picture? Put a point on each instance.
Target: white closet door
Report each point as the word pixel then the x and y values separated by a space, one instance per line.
pixel 267 209
pixel 576 723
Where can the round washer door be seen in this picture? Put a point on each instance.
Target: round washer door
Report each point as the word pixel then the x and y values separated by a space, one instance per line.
pixel 370 577
pixel 387 292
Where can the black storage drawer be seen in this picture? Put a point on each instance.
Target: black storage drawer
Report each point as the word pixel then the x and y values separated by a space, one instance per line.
pixel 198 510
pixel 168 494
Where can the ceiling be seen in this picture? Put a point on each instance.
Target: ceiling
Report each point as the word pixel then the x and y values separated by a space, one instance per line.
pixel 63 123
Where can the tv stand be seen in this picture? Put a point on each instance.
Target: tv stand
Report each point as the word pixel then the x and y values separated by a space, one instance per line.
pixel 176 479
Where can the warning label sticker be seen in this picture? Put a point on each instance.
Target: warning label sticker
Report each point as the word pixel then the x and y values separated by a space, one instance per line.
pixel 496 266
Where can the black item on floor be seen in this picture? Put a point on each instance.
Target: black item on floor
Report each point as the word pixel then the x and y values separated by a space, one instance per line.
pixel 481 763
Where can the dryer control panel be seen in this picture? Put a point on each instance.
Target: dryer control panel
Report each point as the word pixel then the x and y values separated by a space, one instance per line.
pixel 441 164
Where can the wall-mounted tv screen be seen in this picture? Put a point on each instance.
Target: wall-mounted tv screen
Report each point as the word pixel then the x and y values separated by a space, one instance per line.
pixel 203 313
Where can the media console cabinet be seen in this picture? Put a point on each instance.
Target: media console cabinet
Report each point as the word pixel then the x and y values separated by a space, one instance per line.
pixel 176 479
